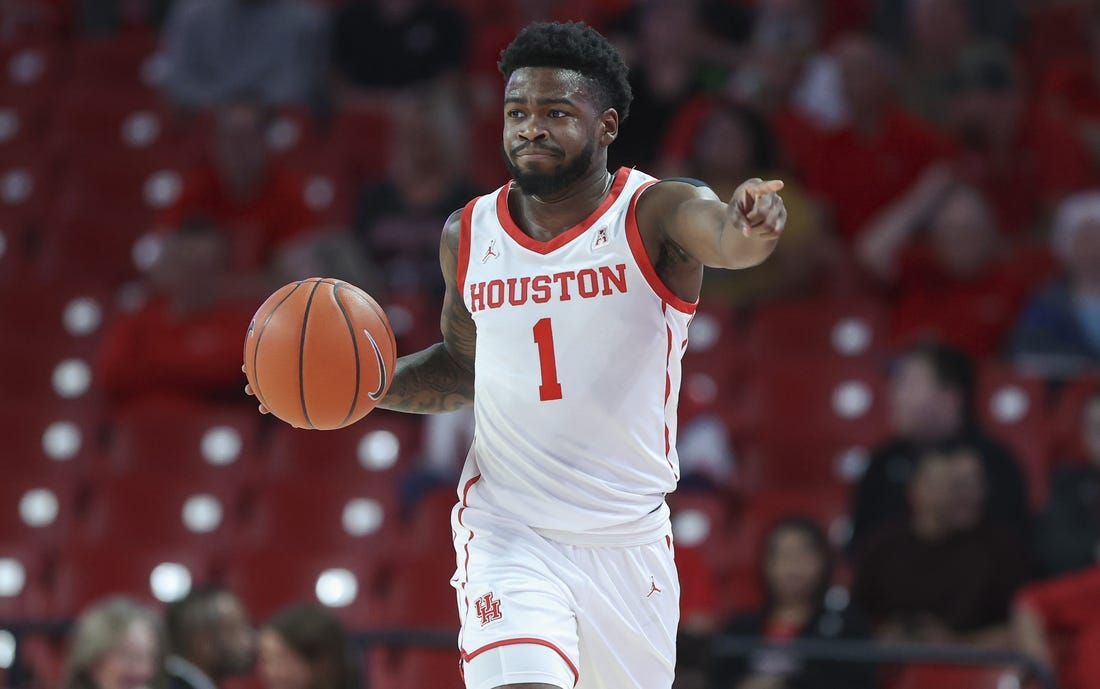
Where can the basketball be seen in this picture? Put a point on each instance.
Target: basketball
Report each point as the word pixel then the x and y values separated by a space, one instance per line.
pixel 319 353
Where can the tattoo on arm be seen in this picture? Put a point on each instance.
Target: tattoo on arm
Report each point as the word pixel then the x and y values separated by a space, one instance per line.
pixel 441 377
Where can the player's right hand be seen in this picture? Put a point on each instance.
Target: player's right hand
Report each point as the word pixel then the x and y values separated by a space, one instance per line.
pixel 248 391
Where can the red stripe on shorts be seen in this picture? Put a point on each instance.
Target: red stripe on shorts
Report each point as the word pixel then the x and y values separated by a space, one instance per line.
pixel 467 657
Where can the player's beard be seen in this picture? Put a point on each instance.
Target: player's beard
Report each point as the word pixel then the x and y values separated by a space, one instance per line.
pixel 564 175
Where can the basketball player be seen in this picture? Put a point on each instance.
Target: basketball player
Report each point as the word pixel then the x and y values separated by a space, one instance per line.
pixel 569 293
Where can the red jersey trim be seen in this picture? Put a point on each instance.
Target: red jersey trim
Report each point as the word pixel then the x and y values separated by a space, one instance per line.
pixel 464 225
pixel 466 547
pixel 545 247
pixel 637 247
pixel 467 657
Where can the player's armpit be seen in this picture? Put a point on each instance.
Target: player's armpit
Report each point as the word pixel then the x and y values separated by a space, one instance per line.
pixel 441 377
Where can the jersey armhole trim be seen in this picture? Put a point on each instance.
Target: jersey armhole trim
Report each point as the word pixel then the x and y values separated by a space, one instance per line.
pixel 464 225
pixel 637 248
pixel 467 657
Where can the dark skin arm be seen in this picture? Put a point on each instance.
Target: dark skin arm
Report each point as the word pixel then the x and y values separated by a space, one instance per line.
pixel 441 377
pixel 686 227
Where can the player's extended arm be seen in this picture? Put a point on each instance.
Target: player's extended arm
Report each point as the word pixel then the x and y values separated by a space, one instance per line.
pixel 738 234
pixel 441 377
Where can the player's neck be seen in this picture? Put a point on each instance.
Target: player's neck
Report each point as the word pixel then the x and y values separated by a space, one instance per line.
pixel 558 212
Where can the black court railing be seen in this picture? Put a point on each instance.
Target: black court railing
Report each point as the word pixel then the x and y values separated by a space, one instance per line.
pixel 870 652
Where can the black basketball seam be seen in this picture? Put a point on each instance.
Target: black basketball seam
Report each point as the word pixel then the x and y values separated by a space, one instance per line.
pixel 302 356
pixel 355 348
pixel 256 351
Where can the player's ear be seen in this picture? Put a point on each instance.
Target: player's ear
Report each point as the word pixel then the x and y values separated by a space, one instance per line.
pixel 609 126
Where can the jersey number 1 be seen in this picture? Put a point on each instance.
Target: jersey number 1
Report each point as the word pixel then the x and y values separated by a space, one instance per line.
pixel 550 389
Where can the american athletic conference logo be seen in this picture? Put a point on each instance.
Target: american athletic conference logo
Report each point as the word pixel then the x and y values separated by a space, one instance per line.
pixel 487 609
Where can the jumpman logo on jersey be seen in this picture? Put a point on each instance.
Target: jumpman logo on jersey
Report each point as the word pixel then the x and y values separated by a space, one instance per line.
pixel 652 587
pixel 487 609
pixel 490 252
pixel 601 238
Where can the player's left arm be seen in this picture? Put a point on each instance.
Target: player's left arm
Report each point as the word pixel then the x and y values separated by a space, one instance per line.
pixel 739 233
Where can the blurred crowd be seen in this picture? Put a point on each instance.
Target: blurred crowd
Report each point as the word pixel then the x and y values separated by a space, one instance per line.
pixel 942 170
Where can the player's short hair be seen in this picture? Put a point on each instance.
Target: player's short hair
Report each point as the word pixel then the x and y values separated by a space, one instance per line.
pixel 575 46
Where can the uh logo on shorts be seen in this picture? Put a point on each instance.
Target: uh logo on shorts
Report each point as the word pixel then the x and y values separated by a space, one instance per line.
pixel 487 609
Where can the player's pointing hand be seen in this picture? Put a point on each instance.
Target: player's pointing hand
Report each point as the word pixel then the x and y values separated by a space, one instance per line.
pixel 758 208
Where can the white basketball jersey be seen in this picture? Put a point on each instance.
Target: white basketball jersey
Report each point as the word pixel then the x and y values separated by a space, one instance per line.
pixel 577 371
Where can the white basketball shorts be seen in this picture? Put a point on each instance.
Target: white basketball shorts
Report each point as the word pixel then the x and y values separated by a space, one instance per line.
pixel 584 616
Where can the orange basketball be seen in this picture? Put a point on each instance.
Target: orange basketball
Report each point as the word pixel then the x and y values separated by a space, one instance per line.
pixel 319 353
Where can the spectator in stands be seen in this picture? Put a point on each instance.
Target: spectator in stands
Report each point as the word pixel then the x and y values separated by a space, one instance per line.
pixel 796 574
pixel 247 192
pixel 210 638
pixel 1022 159
pixel 932 402
pixel 184 343
pixel 944 574
pixel 380 48
pixel 397 221
pixel 662 42
pixel 721 141
pixel 306 647
pixel 1057 623
pixel 940 251
pixel 875 152
pixel 1058 332
pixel 931 34
pixel 1071 89
pixel 217 50
pixel 117 644
pixel 1068 530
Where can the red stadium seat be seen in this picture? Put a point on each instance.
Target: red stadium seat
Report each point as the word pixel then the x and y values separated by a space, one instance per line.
pixel 847 329
pixel 321 512
pixel 807 402
pixel 30 69
pixel 792 463
pixel 361 136
pixel 916 676
pixel 271 577
pixel 122 62
pixel 1013 408
pixel 207 442
pixel 153 573
pixel 326 186
pixel 23 585
pixel 48 438
pixel 1067 437
pixel 376 448
pixel 112 238
pixel 148 509
pixel 712 366
pixel 37 512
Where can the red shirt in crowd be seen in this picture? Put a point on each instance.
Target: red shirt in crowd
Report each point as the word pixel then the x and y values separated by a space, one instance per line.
pixel 974 314
pixel 276 214
pixel 856 174
pixel 1070 609
pixel 153 353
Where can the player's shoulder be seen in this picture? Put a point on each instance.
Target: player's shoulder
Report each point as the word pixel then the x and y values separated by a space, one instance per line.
pixel 452 230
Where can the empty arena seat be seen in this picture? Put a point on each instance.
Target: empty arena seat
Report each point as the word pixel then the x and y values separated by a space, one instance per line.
pixel 380 445
pixel 1067 439
pixel 322 512
pixel 146 509
pixel 36 510
pixel 44 436
pixel 215 442
pixel 848 329
pixel 153 573
pixel 795 400
pixel 271 577
pixel 1014 408
pixel 23 585
pixel 919 676
pixel 125 62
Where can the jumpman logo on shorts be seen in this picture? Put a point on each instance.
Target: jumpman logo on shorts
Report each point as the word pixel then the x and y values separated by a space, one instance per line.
pixel 652 587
